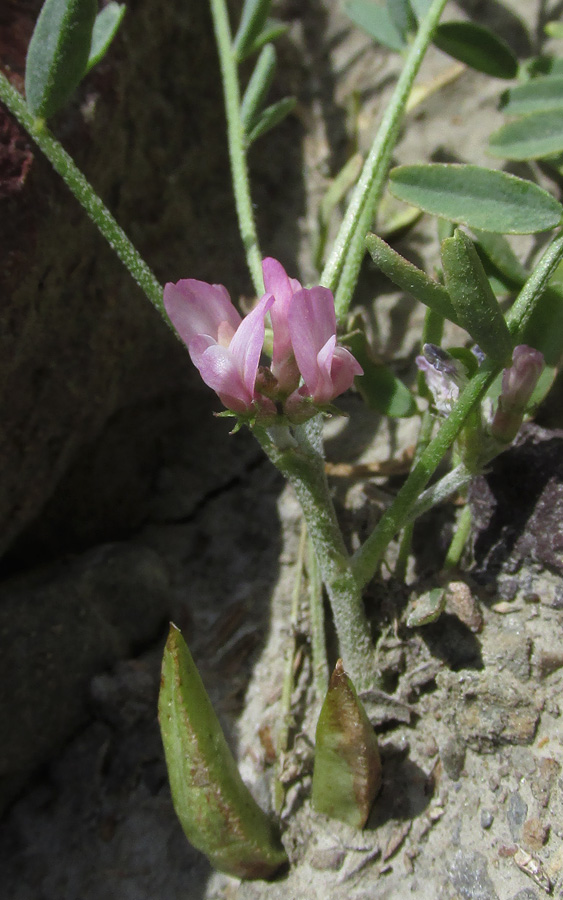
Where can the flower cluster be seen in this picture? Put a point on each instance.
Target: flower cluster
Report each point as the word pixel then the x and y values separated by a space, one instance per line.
pixel 308 369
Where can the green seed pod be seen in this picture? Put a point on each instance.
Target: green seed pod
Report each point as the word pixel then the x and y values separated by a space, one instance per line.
pixel 347 773
pixel 217 812
pixel 473 299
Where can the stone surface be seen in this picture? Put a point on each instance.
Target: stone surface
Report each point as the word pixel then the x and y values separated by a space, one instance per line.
pixel 469 875
pixel 58 628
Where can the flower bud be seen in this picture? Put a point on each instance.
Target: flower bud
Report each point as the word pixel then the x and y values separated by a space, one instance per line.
pixel 518 385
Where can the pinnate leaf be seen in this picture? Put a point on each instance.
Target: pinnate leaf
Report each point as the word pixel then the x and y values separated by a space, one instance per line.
pixel 531 137
pixel 477 197
pixel 376 21
pixel 58 53
pixel 105 28
pixel 474 301
pixel 477 47
pixel 537 95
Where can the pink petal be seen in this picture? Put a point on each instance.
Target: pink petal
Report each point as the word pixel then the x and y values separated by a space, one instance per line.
pixel 246 346
pixel 283 288
pixel 195 307
pixel 312 322
pixel 322 391
pixel 344 369
pixel 219 370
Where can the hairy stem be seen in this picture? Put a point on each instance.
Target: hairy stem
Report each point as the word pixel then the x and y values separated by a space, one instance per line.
pixel 348 249
pixel 367 559
pixel 303 467
pixel 235 133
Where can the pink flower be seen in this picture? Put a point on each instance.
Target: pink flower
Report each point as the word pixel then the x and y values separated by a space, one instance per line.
pixel 327 370
pixel 225 348
pixel 278 283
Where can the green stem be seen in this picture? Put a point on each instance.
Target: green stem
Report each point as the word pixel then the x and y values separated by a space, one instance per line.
pixel 235 132
pixel 367 559
pixel 84 193
pixel 521 311
pixel 452 483
pixel 303 466
pixel 348 248
pixel 459 540
pixel 424 435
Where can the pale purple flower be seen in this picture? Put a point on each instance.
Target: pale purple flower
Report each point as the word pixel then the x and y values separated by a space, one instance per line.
pixel 444 376
pixel 225 348
pixel 327 370
pixel 518 384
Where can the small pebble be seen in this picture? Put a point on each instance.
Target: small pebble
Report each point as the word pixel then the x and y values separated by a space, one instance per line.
pixel 516 813
pixel 452 755
pixel 487 818
pixel 534 834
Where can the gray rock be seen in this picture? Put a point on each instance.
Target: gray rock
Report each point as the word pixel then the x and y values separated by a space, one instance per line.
pixel 469 875
pixel 487 709
pixel 516 812
pixel 525 894
pixel 487 818
pixel 452 755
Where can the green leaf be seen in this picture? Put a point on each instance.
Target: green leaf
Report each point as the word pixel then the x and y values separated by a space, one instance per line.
pixel 477 47
pixel 376 21
pixel 105 28
pixel 409 278
pixel 532 137
pixel 57 57
pixel 554 29
pixel 272 30
pixel 401 14
pixel 217 812
pixel 253 18
pixel 270 117
pixel 258 87
pixel 479 198
pixel 427 608
pixel 544 331
pixel 347 773
pixel 379 387
pixel 420 8
pixel 471 295
pixel 497 249
pixel 537 95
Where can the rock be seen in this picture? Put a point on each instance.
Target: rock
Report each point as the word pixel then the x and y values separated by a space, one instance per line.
pixel 487 818
pixel 487 709
pixel 542 783
pixel 525 894
pixel 510 651
pixel 516 813
pixel 58 628
pixel 469 875
pixel 534 834
pixel 518 506
pixel 452 755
